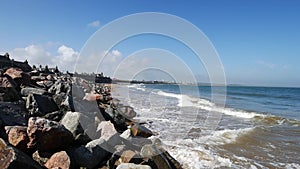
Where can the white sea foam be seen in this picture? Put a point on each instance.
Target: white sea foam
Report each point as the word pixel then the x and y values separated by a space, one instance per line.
pixel 138 86
pixel 192 154
pixel 221 137
pixel 197 157
pixel 187 101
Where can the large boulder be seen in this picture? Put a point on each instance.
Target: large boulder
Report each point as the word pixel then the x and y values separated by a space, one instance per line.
pixel 139 130
pixel 17 136
pixel 40 104
pixel 60 86
pixel 20 77
pixel 55 116
pixel 7 81
pixel 79 125
pixel 93 154
pixel 13 114
pixel 60 160
pixel 160 158
pixel 9 94
pixel 127 111
pixel 11 157
pixel 64 101
pixel 7 89
pixel 46 135
pixel 30 90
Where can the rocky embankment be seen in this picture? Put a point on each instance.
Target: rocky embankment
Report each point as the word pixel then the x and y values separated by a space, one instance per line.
pixel 58 121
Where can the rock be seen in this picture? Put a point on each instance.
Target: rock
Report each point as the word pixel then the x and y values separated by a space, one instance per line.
pixel 93 154
pixel 126 134
pixel 13 158
pixel 13 114
pixel 60 160
pixel 109 133
pixel 79 125
pixel 17 136
pixel 161 159
pixel 50 77
pixel 107 130
pixel 92 97
pixel 30 90
pixel 127 111
pixel 127 156
pixel 60 86
pixel 64 102
pixel 41 157
pixel 115 103
pixel 7 82
pixel 9 94
pixel 40 104
pixel 38 78
pixel 139 130
pixel 55 116
pixel 47 135
pixel 20 77
pixel 132 166
pixel 47 83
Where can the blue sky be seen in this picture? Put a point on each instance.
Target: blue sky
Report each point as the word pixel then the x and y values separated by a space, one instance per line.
pixel 257 41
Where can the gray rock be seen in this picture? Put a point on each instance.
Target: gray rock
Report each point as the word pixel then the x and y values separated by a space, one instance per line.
pixel 13 158
pixel 64 102
pixel 55 116
pixel 30 90
pixel 78 124
pixel 40 104
pixel 60 86
pixel 127 111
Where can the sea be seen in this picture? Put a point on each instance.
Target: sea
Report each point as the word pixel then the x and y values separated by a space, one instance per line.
pixel 257 127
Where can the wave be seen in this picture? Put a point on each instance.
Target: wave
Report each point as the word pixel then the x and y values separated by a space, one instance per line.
pixel 137 86
pixel 226 136
pixel 187 101
pixel 194 154
pixel 271 120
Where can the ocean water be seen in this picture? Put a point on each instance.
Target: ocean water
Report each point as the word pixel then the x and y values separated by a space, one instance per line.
pixel 259 127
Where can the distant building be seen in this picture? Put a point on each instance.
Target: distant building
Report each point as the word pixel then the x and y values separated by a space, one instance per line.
pixel 6 62
pixel 102 79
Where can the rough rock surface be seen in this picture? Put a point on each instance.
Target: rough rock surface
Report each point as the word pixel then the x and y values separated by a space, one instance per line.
pixel 45 134
pixel 60 160
pixel 92 154
pixel 40 104
pixel 75 122
pixel 30 90
pixel 13 158
pixel 17 136
pixel 20 77
pixel 139 130
pixel 13 113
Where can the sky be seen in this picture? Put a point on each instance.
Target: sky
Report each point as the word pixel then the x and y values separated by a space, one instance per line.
pixel 257 41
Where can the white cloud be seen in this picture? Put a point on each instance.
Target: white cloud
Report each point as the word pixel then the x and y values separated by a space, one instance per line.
pixel 94 24
pixel 65 57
